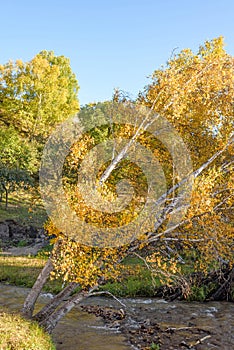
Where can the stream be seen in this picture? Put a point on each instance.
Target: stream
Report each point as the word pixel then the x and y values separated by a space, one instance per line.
pixel 77 331
pixel 212 322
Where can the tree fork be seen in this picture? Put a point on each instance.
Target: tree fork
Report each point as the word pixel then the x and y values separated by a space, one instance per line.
pixel 48 309
pixel 51 322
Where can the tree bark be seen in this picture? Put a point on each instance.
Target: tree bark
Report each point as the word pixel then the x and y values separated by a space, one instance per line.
pixel 29 304
pixel 6 206
pixel 50 323
pixel 48 309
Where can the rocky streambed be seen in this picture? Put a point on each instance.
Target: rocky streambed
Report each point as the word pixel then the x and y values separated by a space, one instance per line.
pixel 105 324
pixel 157 324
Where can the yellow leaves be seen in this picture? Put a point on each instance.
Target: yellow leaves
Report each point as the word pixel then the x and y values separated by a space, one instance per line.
pixel 213 48
pixel 194 95
pixel 74 262
pixel 211 189
pixel 19 63
pixel 39 93
pixel 109 190
pixel 165 267
pixel 79 150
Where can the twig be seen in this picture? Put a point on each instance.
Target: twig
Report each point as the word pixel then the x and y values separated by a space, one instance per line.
pixel 148 267
pixel 109 293
pixel 178 328
pixel 199 341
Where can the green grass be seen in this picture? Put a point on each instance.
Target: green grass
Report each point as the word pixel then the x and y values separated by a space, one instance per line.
pixel 19 334
pixel 154 346
pixel 23 271
pixel 135 280
pixel 132 287
pixel 25 207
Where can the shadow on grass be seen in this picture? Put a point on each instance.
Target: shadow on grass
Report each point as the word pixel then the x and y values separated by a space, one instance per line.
pixel 25 208
pixel 22 271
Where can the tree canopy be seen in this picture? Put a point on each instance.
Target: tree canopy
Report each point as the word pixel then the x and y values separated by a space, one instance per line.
pixel 38 94
pixel 34 97
pixel 190 103
pixel 195 93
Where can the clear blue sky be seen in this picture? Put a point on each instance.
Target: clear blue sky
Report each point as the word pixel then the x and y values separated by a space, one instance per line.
pixel 112 43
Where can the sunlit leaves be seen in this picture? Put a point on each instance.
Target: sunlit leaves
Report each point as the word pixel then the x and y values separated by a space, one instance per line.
pixel 82 264
pixel 195 93
pixel 36 95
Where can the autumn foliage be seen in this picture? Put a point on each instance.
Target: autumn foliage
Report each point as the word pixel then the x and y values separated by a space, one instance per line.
pixel 194 92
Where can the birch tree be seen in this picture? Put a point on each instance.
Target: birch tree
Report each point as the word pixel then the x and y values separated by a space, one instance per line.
pixel 190 99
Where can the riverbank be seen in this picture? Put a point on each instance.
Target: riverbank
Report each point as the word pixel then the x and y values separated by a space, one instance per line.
pixel 18 333
pixel 142 328
pixel 25 248
pixel 144 323
pixel 135 280
pixel 78 330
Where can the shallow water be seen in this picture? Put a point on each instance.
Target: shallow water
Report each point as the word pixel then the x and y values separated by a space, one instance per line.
pixel 183 321
pixel 77 331
pixel 81 331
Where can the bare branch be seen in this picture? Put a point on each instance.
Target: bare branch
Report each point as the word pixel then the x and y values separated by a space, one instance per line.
pixel 108 293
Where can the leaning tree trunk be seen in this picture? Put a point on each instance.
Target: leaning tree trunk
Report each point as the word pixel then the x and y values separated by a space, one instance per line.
pixel 51 322
pixel 6 204
pixel 49 308
pixel 34 293
pixel 6 196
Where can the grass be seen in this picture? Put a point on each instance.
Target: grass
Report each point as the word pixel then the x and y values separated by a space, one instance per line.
pixel 135 280
pixel 23 272
pixel 25 207
pixel 154 346
pixel 132 287
pixel 19 334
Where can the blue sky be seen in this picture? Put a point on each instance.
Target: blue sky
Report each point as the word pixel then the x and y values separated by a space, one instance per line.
pixel 112 44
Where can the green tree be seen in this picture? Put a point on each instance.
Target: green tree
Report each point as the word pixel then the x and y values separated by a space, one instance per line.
pixel 15 151
pixel 12 179
pixel 17 162
pixel 38 94
pixel 34 97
